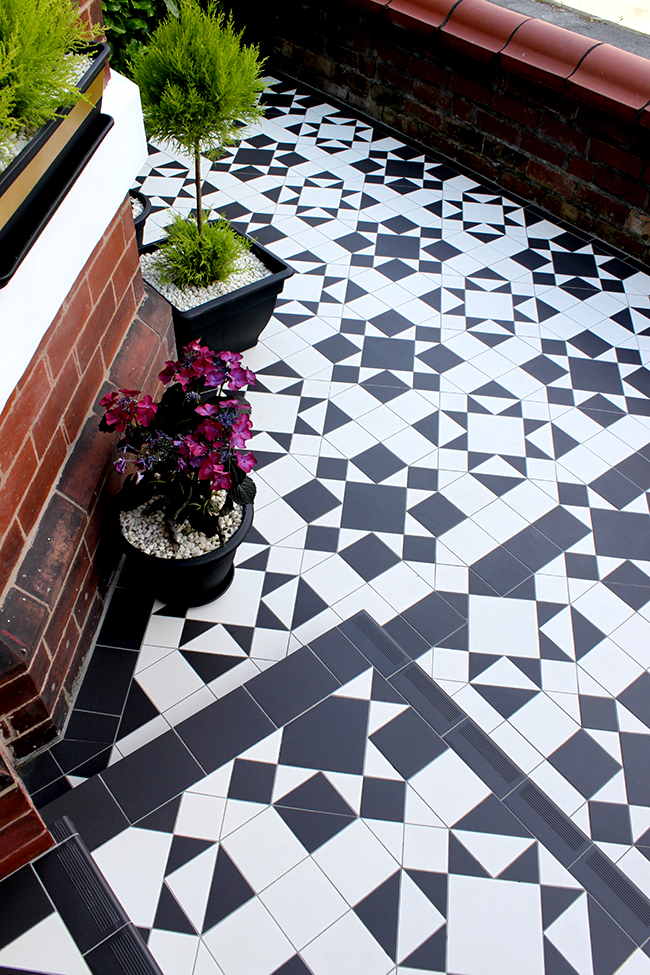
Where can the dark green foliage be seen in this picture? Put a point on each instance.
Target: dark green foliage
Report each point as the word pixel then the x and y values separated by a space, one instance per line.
pixel 36 77
pixel 128 25
pixel 188 258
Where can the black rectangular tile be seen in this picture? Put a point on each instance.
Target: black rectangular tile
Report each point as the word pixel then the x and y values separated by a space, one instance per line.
pixel 225 729
pixel 339 655
pixel 126 619
pixel 107 679
pixel 25 903
pixel 150 776
pixel 92 809
pixel 291 686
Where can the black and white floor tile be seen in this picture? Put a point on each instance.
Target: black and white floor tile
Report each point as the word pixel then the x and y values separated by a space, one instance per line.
pixel 452 424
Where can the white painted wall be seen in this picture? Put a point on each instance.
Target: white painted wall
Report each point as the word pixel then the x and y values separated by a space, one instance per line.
pixel 30 301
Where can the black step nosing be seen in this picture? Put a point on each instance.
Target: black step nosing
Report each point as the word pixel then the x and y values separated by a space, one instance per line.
pixel 615 892
pixel 89 908
pixel 427 698
pixel 374 643
pixel 485 758
pixel 547 822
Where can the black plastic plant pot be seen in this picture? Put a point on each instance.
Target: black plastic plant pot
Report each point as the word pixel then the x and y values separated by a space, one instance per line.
pixel 235 321
pixel 37 180
pixel 187 582
pixel 141 218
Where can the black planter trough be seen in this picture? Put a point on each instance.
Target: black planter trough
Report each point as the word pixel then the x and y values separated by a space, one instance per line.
pixel 235 321
pixel 34 184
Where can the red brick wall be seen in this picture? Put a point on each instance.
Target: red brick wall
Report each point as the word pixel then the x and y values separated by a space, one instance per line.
pixel 547 114
pixel 23 835
pixel 54 465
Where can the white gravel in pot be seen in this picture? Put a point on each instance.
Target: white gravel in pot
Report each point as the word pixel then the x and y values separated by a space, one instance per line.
pixel 148 533
pixel 249 269
pixel 137 206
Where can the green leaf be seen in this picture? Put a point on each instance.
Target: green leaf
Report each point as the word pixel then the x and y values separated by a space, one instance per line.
pixel 245 492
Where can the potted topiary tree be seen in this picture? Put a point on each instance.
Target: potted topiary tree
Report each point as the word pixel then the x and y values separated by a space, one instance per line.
pixel 51 83
pixel 199 83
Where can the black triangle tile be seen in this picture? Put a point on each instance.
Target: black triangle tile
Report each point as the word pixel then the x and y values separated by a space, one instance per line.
pixel 505 700
pixel 170 915
pixel 461 860
pixel 546 611
pixel 381 690
pixel 430 956
pixel 318 795
pixel 273 581
pixel 184 849
pixel 549 650
pixel 555 901
pixel 284 439
pixel 610 946
pixel 491 816
pixel 498 484
pixel 562 442
pixel 228 891
pixel 267 620
pixel 529 666
pixel 209 666
pixel 585 634
pixel 313 828
pixel 478 662
pixel 242 635
pixel 554 962
pixel 379 913
pixel 162 820
pixel 433 886
pixel 194 628
pixel 137 711
pixel 525 869
pixel 308 604
pixel 258 561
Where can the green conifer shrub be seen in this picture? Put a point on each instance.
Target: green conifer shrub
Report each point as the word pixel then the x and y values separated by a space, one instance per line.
pixel 37 76
pixel 190 259
pixel 198 83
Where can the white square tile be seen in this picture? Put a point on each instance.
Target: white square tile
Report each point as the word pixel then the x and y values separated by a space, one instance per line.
pixel 503 626
pixel 263 849
pixel 545 725
pixel 494 927
pixel 449 787
pixel 496 435
pixel 304 903
pixel 355 861
pixel 347 948
pixel 133 863
pixel 169 681
pixel 249 942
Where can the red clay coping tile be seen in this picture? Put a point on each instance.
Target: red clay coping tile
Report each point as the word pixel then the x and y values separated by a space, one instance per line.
pixel 599 75
pixel 545 53
pixel 480 29
pixel 425 16
pixel 612 80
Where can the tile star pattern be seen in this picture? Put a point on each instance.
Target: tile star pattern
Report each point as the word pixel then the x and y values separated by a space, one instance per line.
pixel 452 428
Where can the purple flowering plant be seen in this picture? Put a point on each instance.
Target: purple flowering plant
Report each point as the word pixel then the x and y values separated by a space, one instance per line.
pixel 180 451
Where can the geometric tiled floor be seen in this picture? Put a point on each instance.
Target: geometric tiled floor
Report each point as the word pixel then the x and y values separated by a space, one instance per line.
pixel 452 424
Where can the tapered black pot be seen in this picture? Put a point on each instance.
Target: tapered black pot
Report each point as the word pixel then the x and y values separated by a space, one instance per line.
pixel 187 582
pixel 233 322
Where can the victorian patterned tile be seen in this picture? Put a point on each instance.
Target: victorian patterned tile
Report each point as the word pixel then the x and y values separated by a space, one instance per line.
pixel 453 433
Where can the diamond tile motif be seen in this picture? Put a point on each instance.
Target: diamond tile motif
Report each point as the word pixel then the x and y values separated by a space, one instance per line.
pixel 453 434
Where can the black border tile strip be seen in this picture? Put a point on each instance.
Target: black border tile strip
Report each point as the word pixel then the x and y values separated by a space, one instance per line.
pixel 374 643
pixel 617 895
pixel 97 922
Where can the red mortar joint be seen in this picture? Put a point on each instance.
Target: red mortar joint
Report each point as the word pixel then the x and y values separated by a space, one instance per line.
pixel 613 81
pixel 545 53
pixel 480 29
pixel 424 16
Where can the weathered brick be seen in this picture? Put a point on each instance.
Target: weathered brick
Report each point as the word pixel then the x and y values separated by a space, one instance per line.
pixel 11 550
pixel 566 135
pixel 18 856
pixel 48 472
pixel 553 179
pixel 622 188
pixel 478 94
pixel 84 396
pixel 497 127
pixel 46 564
pixel 533 146
pixel 515 110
